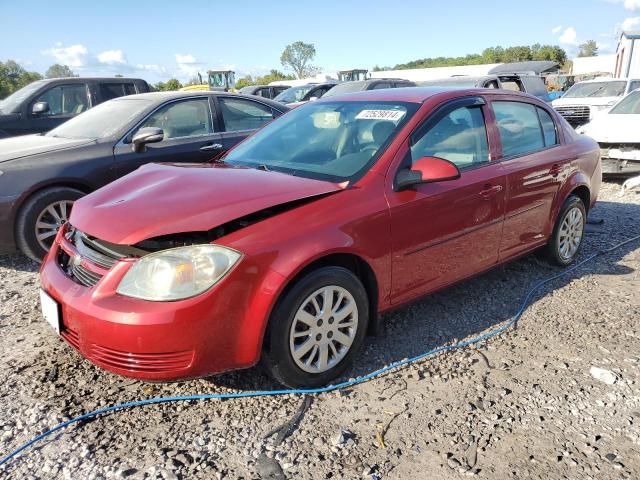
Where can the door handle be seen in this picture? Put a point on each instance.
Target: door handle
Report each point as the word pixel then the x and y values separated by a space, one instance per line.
pixel 490 191
pixel 555 170
pixel 211 148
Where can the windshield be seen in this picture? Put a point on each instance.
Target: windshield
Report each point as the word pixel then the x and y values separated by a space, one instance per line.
pixel 334 141
pixel 102 121
pixel 629 105
pixel 347 87
pixel 596 89
pixel 293 94
pixel 12 103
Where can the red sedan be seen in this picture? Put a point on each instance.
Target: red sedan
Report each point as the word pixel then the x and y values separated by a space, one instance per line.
pixel 288 248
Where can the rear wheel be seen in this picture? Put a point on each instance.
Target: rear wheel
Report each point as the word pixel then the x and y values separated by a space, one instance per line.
pixel 40 218
pixel 568 232
pixel 316 328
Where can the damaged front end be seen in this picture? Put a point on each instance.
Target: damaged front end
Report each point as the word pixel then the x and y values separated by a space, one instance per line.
pixel 86 259
pixel 620 158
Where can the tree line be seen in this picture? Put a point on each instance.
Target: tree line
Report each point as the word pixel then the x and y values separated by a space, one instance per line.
pixel 489 55
pixel 14 76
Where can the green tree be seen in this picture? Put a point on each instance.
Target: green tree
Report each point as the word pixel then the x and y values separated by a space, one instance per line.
pixel 588 49
pixel 169 85
pixel 13 77
pixel 297 56
pixel 59 71
pixel 173 84
pixel 119 75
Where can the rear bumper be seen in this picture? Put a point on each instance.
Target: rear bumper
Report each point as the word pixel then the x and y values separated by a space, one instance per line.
pixel 616 166
pixel 7 240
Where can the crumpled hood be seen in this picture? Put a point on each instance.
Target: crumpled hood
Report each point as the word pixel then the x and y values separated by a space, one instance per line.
pixel 160 199
pixel 27 145
pixel 613 128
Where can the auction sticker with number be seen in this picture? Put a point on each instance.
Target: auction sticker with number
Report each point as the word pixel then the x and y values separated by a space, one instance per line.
pixel 393 115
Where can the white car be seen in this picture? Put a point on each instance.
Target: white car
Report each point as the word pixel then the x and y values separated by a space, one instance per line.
pixel 585 100
pixel 617 131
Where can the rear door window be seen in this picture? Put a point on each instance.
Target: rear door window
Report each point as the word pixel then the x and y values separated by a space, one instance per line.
pixel 240 114
pixel 519 127
pixel 69 99
pixel 115 90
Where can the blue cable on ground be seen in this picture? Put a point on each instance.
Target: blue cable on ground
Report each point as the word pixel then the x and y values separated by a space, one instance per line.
pixel 376 373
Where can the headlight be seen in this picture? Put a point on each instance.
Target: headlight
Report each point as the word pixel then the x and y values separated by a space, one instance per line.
pixel 178 273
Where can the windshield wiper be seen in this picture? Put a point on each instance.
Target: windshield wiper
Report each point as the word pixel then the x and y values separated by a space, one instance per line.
pixel 262 166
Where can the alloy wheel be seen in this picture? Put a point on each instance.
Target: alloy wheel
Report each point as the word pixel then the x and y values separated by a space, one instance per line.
pixel 323 329
pixel 50 220
pixel 570 234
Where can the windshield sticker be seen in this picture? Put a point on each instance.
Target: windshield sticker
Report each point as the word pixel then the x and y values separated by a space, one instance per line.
pixel 393 115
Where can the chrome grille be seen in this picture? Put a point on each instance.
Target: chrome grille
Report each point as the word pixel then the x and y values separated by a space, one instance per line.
pixel 90 251
pixel 84 276
pixel 94 252
pixel 576 115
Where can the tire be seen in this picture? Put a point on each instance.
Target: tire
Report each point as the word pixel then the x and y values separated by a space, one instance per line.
pixel 280 342
pixel 35 208
pixel 570 223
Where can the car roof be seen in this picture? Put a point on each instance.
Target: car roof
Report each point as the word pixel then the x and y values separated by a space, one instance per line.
pixel 159 97
pixel 417 94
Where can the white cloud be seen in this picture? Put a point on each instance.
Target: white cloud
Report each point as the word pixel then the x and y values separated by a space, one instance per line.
pixel 569 36
pixel 185 59
pixel 73 55
pixel 628 4
pixel 112 57
pixel 556 30
pixel 630 23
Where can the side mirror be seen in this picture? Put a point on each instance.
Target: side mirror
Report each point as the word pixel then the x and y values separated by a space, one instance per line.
pixel 427 170
pixel 40 108
pixel 146 135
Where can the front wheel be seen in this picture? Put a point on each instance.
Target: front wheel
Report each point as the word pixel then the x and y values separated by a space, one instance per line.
pixel 568 232
pixel 40 218
pixel 316 328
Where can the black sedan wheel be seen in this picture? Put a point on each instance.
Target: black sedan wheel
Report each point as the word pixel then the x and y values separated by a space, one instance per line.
pixel 40 218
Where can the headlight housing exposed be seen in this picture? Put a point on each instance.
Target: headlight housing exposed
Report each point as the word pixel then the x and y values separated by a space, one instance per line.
pixel 178 273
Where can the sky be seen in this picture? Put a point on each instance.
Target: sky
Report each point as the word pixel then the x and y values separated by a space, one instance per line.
pixel 163 39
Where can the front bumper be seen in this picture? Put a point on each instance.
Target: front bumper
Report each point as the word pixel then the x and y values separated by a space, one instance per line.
pixel 216 331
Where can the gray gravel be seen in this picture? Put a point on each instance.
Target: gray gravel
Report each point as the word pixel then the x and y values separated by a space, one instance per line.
pixel 559 397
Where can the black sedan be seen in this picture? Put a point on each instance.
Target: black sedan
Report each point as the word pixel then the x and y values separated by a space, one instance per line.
pixel 42 175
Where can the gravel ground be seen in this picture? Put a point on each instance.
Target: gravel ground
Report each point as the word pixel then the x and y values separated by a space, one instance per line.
pixel 558 397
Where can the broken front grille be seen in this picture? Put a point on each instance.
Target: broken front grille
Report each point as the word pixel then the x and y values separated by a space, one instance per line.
pixel 576 115
pixel 90 251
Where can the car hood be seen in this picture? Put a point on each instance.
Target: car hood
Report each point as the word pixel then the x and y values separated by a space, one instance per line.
pixel 161 199
pixel 589 101
pixel 613 128
pixel 28 145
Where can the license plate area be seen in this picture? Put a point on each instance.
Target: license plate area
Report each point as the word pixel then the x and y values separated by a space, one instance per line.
pixel 51 311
